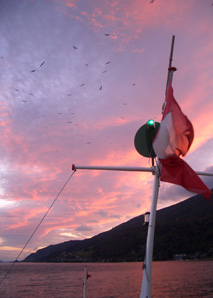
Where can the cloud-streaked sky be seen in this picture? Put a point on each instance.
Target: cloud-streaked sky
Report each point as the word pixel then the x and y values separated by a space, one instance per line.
pixel 104 75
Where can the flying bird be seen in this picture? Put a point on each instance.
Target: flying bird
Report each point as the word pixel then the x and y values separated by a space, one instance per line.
pixel 82 85
pixel 108 62
pixel 100 88
pixel 33 70
pixel 152 1
pixel 106 34
pixel 104 71
pixel 42 63
pixel 69 94
pixel 133 84
pixel 75 48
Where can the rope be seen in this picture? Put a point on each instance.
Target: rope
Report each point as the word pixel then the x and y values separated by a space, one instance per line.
pixel 13 263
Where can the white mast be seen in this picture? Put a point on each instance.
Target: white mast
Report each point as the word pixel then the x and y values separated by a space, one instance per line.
pixel 85 281
pixel 147 266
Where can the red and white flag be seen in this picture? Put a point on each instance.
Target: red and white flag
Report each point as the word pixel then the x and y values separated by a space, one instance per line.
pixel 173 139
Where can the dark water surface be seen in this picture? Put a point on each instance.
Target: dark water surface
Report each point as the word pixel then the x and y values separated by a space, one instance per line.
pixel 109 280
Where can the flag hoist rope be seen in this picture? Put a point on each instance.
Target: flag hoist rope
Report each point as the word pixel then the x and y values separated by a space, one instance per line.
pixel 38 225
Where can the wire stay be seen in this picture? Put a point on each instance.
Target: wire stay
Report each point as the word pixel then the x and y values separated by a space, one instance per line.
pixel 33 233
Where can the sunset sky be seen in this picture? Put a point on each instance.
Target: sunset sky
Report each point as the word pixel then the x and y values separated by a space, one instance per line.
pixel 78 78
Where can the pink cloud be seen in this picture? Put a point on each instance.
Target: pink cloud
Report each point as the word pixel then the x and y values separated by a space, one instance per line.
pixel 21 217
pixel 71 3
pixel 129 20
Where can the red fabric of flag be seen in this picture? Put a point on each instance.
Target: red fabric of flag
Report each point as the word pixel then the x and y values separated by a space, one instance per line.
pixel 88 275
pixel 175 170
pixel 176 132
pixel 173 139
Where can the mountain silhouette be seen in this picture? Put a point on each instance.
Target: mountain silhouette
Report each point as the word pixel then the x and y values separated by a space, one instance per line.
pixel 181 229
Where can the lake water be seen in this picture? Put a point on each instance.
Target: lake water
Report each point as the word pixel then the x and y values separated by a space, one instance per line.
pixel 109 280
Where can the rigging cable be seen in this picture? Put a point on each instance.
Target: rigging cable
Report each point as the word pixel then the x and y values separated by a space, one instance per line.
pixel 48 210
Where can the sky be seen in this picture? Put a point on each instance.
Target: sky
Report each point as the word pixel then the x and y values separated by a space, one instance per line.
pixel 78 78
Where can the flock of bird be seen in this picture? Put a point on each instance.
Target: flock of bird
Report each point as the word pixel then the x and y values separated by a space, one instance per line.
pixel 42 115
pixel 40 66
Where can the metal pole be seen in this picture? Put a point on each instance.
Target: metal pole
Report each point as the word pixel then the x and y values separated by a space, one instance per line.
pixel 85 281
pixel 112 168
pixel 147 266
pixel 203 173
pixel 170 61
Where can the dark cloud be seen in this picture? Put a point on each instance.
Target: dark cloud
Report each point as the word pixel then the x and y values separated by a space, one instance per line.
pixel 117 216
pixel 102 213
pixel 208 180
pixel 138 205
pixel 202 157
pixel 83 228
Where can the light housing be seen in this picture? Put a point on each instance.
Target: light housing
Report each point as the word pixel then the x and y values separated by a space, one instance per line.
pixel 151 123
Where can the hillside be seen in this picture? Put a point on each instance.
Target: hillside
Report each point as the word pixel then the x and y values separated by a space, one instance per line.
pixel 183 228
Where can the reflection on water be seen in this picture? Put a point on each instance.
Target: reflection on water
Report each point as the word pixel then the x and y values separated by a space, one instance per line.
pixel 182 279
pixel 110 280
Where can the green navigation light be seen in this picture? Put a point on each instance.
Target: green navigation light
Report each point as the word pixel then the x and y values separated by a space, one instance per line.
pixel 151 123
